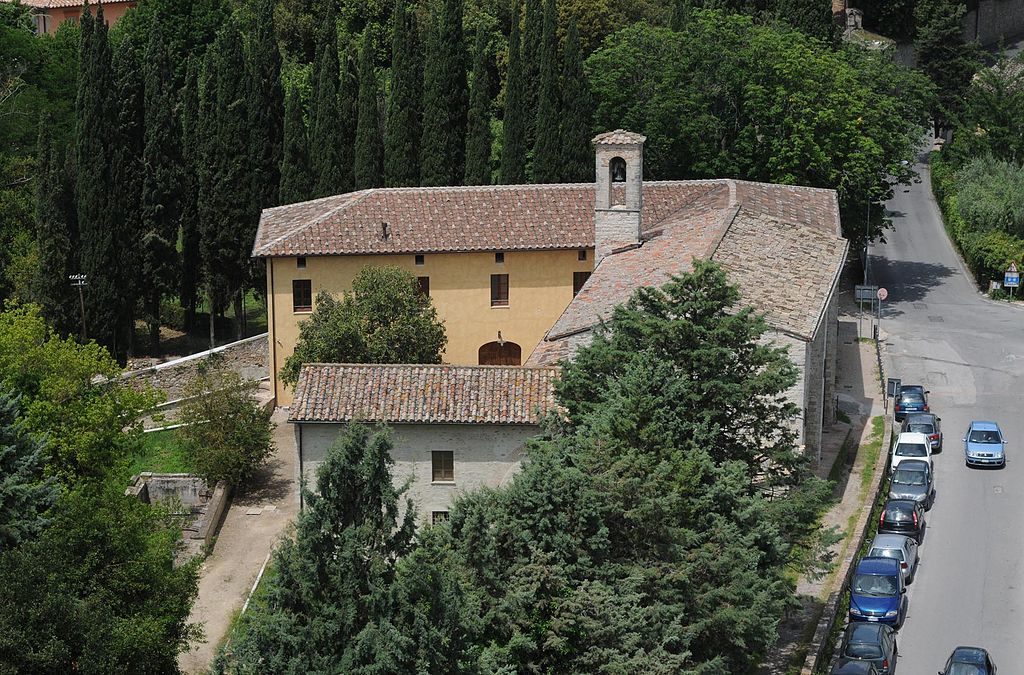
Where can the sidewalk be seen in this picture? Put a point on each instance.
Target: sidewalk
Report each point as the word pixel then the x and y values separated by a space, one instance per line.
pixel 254 522
pixel 860 401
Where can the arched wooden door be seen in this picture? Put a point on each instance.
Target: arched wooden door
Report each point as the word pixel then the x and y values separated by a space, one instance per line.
pixel 500 354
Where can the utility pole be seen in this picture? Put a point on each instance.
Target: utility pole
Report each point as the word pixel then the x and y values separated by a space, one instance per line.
pixel 80 281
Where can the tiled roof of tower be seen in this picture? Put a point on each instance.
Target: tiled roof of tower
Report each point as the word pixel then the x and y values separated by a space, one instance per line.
pixel 422 394
pixel 449 219
pixel 618 137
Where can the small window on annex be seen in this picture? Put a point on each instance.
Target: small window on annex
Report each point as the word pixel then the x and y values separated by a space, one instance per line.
pixel 302 295
pixel 300 263
pixel 438 517
pixel 442 466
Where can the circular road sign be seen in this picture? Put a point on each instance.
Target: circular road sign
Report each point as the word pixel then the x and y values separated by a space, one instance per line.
pixel 882 294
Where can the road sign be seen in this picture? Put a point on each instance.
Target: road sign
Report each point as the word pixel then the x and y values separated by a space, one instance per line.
pixel 1012 268
pixel 882 294
pixel 893 388
pixel 865 293
pixel 1011 278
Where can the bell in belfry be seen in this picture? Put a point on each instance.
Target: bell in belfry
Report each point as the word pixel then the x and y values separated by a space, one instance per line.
pixel 618 170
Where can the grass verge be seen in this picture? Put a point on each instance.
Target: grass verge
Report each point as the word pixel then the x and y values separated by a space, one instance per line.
pixel 239 624
pixel 162 452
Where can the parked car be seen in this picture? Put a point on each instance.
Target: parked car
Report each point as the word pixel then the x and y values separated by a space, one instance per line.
pixel 869 643
pixel 899 547
pixel 902 516
pixel 913 479
pixel 911 445
pixel 984 444
pixel 877 592
pixel 927 424
pixel 854 667
pixel 912 398
pixel 969 661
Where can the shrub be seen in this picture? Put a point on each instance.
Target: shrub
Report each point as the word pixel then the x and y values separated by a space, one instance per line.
pixel 990 195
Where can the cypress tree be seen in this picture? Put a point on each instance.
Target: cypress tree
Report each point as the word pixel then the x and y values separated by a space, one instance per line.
pixel 443 149
pixel 513 132
pixel 162 181
pixel 193 162
pixel 229 213
pixel 680 14
pixel 576 159
pixel 348 111
pixel 326 137
pixel 131 280
pixel 369 158
pixel 545 167
pixel 296 180
pixel 266 107
pixel 478 131
pixel 95 135
pixel 55 235
pixel 402 135
pixel 532 53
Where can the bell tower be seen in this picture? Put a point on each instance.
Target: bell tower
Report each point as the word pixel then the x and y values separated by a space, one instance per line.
pixel 619 167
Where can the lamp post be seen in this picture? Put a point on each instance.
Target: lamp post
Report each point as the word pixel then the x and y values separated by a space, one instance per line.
pixel 80 281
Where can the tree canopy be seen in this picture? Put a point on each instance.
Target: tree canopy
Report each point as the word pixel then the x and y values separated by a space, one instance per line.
pixel 384 319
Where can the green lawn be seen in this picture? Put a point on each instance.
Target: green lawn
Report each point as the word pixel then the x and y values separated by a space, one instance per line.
pixel 162 452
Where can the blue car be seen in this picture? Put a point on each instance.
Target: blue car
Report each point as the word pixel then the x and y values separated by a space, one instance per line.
pixel 913 398
pixel 877 593
pixel 984 445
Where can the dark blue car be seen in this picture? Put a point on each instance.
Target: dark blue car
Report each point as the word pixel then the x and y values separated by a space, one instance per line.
pixel 913 398
pixel 877 593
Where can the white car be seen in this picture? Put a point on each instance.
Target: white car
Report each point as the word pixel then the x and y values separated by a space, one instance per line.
pixel 911 445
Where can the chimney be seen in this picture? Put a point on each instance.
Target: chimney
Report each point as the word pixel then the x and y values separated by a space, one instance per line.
pixel 619 162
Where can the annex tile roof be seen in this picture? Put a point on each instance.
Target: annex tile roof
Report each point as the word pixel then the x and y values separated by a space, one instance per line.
pixel 450 219
pixel 422 394
pixel 64 4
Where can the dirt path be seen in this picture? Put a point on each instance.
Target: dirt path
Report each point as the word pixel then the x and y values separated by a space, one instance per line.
pixel 255 520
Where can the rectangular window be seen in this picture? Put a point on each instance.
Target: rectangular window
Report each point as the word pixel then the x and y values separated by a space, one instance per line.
pixel 578 279
pixel 499 257
pixel 302 295
pixel 424 283
pixel 499 290
pixel 419 258
pixel 443 466
pixel 300 263
pixel 581 254
pixel 438 517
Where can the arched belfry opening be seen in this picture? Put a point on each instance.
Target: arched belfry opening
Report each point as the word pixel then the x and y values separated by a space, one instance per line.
pixel 617 178
pixel 619 164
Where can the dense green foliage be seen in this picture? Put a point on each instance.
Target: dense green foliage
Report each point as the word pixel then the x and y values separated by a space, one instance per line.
pixel 227 433
pixel 576 160
pixel 445 98
pixel 944 55
pixel 384 319
pixel 25 495
pixel 649 531
pixel 478 126
pixel 326 125
pixel 404 106
pixel 514 129
pixel 265 104
pixel 369 150
pixel 296 179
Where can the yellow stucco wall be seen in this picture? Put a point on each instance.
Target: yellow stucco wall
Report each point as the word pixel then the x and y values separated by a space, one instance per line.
pixel 540 287
pixel 112 13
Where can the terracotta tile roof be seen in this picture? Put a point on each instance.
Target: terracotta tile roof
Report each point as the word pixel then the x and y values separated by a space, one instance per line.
pixel 618 137
pixel 422 394
pixel 446 219
pixel 65 4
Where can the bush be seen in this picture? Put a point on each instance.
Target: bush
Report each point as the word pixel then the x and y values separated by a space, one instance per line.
pixel 227 434
pixel 990 195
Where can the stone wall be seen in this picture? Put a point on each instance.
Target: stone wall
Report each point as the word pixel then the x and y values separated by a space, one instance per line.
pixel 484 455
pixel 248 357
pixel 798 355
pixel 994 20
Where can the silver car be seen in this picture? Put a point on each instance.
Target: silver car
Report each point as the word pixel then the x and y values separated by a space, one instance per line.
pixel 913 479
pixel 903 549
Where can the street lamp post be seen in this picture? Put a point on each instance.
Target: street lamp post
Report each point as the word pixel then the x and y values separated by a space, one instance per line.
pixel 80 281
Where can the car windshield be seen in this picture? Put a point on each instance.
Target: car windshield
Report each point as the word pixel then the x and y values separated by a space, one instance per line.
pixel 921 427
pixel 912 450
pixel 979 436
pixel 911 397
pixel 906 477
pixel 858 650
pixel 897 513
pixel 895 553
pixel 874 584
pixel 965 669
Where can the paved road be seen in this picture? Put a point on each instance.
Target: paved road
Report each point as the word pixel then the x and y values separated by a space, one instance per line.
pixel 970 354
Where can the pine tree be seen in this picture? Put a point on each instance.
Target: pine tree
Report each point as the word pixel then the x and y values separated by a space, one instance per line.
pixel 193 162
pixel 576 159
pixel 325 137
pixel 296 180
pixel 95 134
pixel 478 128
pixel 132 281
pixel 443 149
pixel 514 132
pixel 55 235
pixel 25 495
pixel 369 157
pixel 266 107
pixel 532 52
pixel 229 215
pixel 402 133
pixel 545 168
pixel 162 181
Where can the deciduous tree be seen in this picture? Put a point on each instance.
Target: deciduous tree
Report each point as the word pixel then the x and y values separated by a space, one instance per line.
pixel 944 55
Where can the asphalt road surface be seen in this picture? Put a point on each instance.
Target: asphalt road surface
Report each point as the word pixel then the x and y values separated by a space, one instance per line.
pixel 969 352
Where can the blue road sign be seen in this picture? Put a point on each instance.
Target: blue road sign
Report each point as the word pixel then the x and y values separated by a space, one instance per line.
pixel 1011 279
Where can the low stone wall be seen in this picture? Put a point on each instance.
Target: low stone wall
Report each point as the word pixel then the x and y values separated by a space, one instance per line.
pixel 204 507
pixel 249 358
